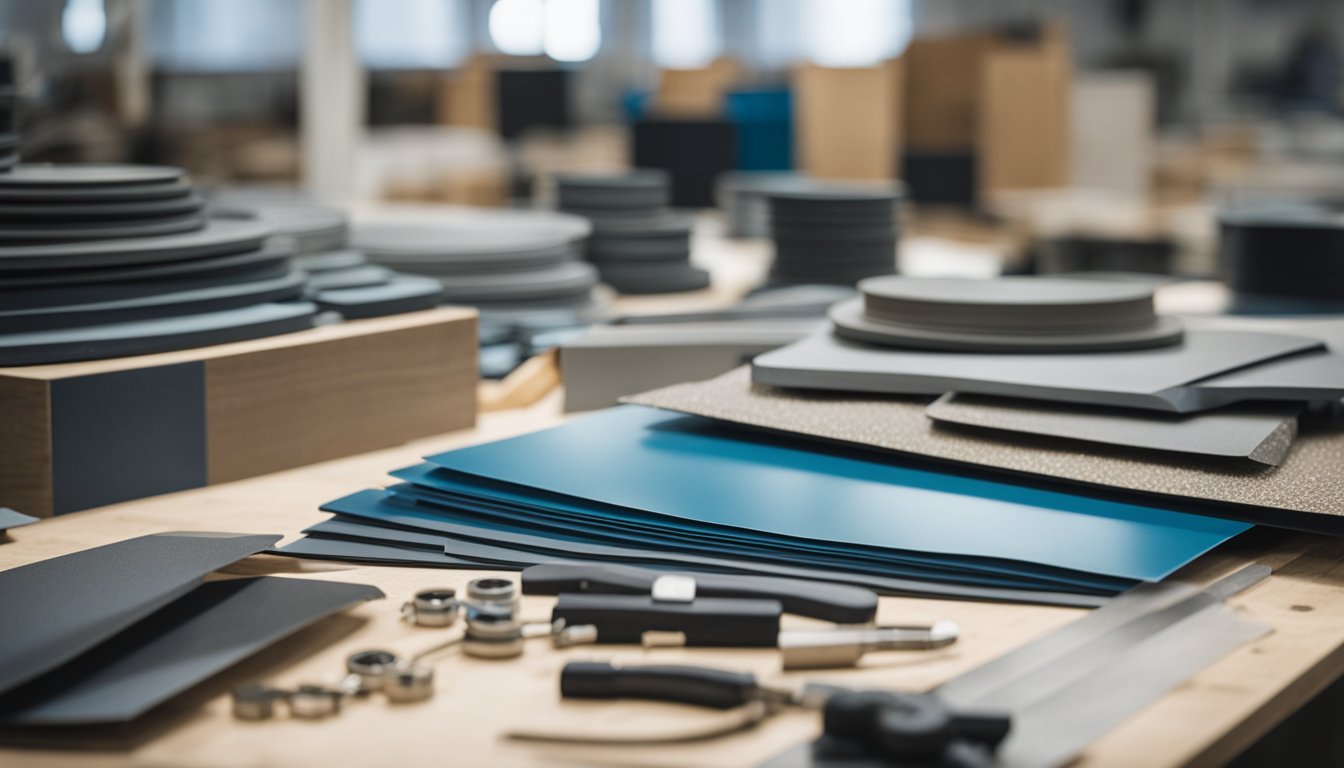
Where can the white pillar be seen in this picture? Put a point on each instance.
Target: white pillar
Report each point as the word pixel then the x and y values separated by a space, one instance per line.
pixel 331 99
pixel 128 23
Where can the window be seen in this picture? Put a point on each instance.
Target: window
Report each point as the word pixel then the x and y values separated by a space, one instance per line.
pixel 573 29
pixel 856 33
pixel 685 33
pixel 565 30
pixel 411 34
pixel 517 27
pixel 83 25
pixel 226 35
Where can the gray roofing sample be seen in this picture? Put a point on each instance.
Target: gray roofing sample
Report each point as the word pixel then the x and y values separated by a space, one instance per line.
pixel 1151 379
pixel 1260 432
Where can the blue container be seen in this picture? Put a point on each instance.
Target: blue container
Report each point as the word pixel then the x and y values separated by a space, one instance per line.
pixel 764 120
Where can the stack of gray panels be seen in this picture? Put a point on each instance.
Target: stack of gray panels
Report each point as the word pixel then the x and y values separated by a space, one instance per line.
pixel 340 280
pixel 638 244
pixel 832 235
pixel 1289 254
pixel 1088 361
pixel 518 267
pixel 110 260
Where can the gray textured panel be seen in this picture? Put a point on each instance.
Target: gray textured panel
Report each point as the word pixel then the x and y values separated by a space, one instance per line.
pixel 127 434
pixel 1259 432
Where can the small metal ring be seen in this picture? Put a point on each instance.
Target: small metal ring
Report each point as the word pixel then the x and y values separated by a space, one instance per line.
pixel 371 667
pixel 406 683
pixel 492 590
pixel 314 701
pixel 436 607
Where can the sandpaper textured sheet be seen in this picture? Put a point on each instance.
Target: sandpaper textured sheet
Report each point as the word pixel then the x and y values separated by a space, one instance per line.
pixel 1305 492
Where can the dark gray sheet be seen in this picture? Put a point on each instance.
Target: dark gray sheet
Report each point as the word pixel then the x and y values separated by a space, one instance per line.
pixel 198 635
pixel 57 609
pixel 142 337
pixel 1258 432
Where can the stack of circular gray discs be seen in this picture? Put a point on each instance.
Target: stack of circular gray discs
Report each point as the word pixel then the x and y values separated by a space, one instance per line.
pixel 1008 314
pixel 1289 252
pixel 111 260
pixel 520 267
pixel 743 198
pixel 340 279
pixel 832 235
pixel 638 244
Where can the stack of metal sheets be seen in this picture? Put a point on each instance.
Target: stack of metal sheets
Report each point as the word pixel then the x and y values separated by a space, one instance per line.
pixel 1284 257
pixel 641 486
pixel 510 264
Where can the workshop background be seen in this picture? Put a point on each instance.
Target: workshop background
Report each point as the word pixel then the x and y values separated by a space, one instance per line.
pixel 444 152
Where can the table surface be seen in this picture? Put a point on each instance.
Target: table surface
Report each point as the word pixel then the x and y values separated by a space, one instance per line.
pixel 1205 721
pixel 1212 717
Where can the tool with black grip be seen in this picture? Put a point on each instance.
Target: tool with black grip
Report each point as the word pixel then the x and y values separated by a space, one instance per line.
pixel 828 602
pixel 911 729
pixel 674 614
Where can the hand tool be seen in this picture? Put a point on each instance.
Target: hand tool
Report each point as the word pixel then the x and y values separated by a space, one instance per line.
pixel 837 603
pixel 868 723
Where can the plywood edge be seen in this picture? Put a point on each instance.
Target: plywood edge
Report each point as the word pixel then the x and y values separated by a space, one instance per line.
pixel 344 330
pixel 334 396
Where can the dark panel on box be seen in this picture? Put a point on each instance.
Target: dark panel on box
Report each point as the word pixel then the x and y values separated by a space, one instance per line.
pixel 693 152
pixel 127 434
pixel 940 178
pixel 526 98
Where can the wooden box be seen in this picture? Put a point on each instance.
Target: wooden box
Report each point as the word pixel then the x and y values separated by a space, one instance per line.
pixel 81 435
pixel 1003 102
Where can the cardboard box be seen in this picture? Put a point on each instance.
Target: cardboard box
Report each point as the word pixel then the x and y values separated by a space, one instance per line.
pixel 847 119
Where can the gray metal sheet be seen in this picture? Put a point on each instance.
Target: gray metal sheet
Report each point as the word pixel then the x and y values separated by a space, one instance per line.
pixel 134 578
pixel 192 638
pixel 218 238
pixel 1261 432
pixel 193 301
pixel 1153 379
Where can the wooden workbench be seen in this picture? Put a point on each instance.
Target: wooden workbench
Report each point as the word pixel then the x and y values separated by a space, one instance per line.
pixel 1207 721
pixel 1213 717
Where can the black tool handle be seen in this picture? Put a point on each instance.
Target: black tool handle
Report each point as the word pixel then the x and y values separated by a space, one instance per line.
pixel 562 578
pixel 682 684
pixel 840 603
pixel 705 621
